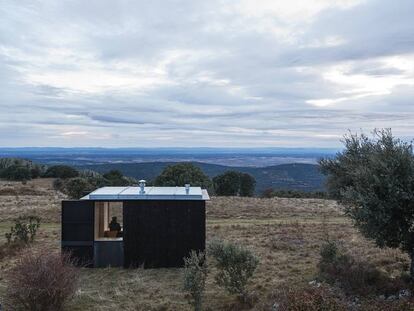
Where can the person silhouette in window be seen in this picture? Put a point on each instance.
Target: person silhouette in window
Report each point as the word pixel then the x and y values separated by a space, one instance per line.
pixel 114 225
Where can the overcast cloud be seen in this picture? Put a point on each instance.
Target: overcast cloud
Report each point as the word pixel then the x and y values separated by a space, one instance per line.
pixel 248 73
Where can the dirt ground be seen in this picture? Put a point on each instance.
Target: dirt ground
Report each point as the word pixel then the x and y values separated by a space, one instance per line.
pixel 285 233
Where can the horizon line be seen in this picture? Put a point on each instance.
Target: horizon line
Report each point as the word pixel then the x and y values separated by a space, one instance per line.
pixel 187 148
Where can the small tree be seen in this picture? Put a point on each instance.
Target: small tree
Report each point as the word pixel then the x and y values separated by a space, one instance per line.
pixel 374 179
pixel 233 183
pixel 35 171
pixel 195 275
pixel 247 185
pixel 181 174
pixel 235 264
pixel 227 183
pixel 116 178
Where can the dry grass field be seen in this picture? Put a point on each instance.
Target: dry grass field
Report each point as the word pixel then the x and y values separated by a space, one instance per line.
pixel 285 233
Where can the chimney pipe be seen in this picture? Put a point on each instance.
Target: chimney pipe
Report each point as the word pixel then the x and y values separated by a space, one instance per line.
pixel 187 188
pixel 142 186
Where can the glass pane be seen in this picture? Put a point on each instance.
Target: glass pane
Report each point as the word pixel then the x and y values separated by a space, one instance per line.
pixel 108 221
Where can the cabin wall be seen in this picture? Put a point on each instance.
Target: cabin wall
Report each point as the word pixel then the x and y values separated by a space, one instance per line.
pixel 155 233
pixel 78 230
pixel 161 233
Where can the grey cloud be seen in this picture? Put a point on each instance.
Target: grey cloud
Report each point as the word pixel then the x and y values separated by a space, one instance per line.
pixel 217 74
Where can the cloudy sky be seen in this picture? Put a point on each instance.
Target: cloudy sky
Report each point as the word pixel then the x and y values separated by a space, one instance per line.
pixel 248 73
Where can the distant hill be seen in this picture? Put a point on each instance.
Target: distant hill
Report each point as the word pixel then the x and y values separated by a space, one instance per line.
pixel 241 157
pixel 296 176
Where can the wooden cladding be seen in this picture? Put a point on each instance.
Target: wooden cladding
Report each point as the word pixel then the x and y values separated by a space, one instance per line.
pixel 161 233
pixel 155 233
pixel 78 230
pixel 77 221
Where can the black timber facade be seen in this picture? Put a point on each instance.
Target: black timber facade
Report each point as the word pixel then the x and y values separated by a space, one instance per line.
pixel 156 233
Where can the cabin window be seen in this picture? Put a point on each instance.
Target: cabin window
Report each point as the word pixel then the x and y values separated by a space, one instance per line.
pixel 108 221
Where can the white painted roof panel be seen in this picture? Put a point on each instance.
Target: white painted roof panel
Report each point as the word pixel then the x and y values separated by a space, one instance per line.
pixel 151 193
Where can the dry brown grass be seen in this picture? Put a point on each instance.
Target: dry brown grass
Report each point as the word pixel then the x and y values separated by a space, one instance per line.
pixel 37 197
pixel 285 233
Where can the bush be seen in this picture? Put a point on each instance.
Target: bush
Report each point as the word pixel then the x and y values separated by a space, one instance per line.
pixel 306 298
pixel 195 275
pixel 235 264
pixel 24 229
pixel 77 187
pixel 116 178
pixel 41 281
pixel 329 252
pixel 16 172
pixel 34 168
pixel 58 184
pixel 354 276
pixel 35 172
pixel 61 171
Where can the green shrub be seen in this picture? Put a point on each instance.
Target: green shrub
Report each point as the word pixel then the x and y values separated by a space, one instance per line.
pixel 35 172
pixel 58 184
pixel 329 252
pixel 77 187
pixel 24 229
pixel 61 171
pixel 6 162
pixel 354 276
pixel 116 178
pixel 16 172
pixel 235 264
pixel 195 275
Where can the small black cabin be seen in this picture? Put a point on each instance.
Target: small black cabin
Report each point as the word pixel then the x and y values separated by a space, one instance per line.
pixel 152 227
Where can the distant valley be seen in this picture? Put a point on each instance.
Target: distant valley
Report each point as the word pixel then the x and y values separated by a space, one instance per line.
pixel 294 176
pixel 277 168
pixel 235 157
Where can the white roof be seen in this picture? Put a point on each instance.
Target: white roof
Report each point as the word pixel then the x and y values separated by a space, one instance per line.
pixel 151 193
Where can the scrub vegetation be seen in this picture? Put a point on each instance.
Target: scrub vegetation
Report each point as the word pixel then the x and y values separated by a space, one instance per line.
pixel 287 234
pixel 41 280
pixel 195 275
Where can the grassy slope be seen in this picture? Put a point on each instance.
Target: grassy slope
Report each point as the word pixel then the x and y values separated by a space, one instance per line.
pixel 286 176
pixel 285 233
